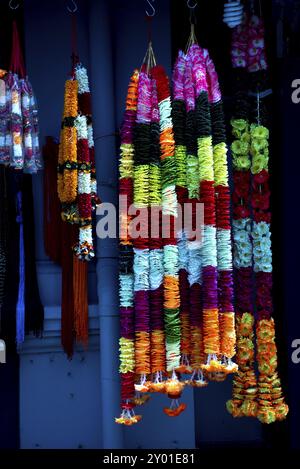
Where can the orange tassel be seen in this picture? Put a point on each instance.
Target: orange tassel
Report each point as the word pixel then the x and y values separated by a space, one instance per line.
pixel 81 315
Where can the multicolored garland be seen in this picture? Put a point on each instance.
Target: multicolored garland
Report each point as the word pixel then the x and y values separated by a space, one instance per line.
pixel 126 276
pixel 76 162
pixel 252 241
pixel 77 191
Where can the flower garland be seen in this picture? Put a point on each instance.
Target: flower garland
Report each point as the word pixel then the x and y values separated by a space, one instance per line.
pixel 224 253
pixel 162 284
pixel 194 266
pixel 173 387
pixel 211 331
pixel 156 253
pixel 210 267
pixel 243 402
pixel 126 278
pixel 77 187
pixel 141 263
pixel 252 236
pixel 179 117
pixel 271 405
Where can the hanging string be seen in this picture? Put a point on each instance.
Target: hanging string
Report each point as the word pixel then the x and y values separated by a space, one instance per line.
pixel 75 57
pixel 193 20
pixel 149 60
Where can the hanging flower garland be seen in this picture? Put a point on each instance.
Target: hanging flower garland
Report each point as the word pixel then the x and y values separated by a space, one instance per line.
pixel 77 192
pixel 243 402
pixel 179 116
pixel 222 194
pixel 77 188
pixel 211 332
pixel 126 278
pixel 156 253
pixel 173 387
pixel 194 257
pixel 253 250
pixel 141 264
pixel 271 405
pixel 158 162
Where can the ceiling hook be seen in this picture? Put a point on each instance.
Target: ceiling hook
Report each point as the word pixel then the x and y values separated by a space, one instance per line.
pixel 192 7
pixel 152 8
pixel 13 7
pixel 75 7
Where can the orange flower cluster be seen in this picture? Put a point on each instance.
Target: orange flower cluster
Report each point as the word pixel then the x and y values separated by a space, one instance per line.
pixel 68 177
pixel 167 143
pixel 174 412
pixel 132 93
pixel 128 420
pixel 185 334
pixel 197 351
pixel 227 332
pixel 158 357
pixel 172 298
pixel 211 331
pixel 142 353
pixel 271 405
pixel 243 402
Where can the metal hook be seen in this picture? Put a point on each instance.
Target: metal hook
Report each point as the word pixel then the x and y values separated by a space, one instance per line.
pixel 192 7
pixel 75 7
pixel 11 5
pixel 152 8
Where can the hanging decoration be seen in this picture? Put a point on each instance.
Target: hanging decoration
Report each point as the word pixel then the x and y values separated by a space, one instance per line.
pixel 21 309
pixel 257 395
pixel 176 298
pixel 19 141
pixel 77 192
